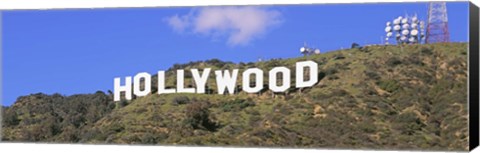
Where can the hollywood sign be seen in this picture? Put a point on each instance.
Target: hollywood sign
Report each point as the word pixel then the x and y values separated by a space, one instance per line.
pixel 225 80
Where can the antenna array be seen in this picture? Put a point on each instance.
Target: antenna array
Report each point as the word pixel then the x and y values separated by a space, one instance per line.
pixel 406 30
pixel 305 50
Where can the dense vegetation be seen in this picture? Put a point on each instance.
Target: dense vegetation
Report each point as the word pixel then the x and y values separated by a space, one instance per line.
pixel 376 97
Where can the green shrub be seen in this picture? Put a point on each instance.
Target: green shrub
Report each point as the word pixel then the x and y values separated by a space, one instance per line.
pixel 180 100
pixel 333 77
pixel 408 123
pixel 426 50
pixel 122 103
pixel 198 116
pixel 330 71
pixel 372 75
pixel 414 59
pixel 9 119
pixel 367 127
pixel 338 57
pixel 393 61
pixel 236 105
pixel 389 85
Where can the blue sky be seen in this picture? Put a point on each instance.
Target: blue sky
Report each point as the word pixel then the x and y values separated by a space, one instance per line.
pixel 82 50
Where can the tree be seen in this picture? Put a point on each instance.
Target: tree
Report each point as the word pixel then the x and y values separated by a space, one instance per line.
pixel 9 118
pixel 198 116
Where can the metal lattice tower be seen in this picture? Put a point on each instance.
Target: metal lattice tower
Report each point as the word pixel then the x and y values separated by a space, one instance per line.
pixel 437 27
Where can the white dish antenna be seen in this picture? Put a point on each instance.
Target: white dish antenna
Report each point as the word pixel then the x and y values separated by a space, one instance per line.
pixel 389 23
pixel 317 51
pixel 403 38
pixel 388 29
pixel 397 28
pixel 398 35
pixel 303 49
pixel 404 21
pixel 411 39
pixel 414 19
pixel 414 25
pixel 405 32
pixel 414 32
pixel 396 21
pixel 405 26
pixel 389 34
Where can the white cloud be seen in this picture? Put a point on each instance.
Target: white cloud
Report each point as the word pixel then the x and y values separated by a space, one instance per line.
pixel 179 24
pixel 240 25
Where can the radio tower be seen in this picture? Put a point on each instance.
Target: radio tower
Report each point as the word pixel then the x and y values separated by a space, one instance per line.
pixel 437 28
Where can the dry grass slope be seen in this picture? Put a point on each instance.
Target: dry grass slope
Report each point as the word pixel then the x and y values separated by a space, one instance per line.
pixel 377 97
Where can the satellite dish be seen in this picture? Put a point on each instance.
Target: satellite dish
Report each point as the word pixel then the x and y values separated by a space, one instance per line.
pixel 414 19
pixel 405 32
pixel 403 38
pixel 396 21
pixel 398 35
pixel 389 34
pixel 411 39
pixel 317 51
pixel 404 21
pixel 414 25
pixel 405 26
pixel 303 49
pixel 396 28
pixel 388 29
pixel 422 24
pixel 414 32
pixel 388 23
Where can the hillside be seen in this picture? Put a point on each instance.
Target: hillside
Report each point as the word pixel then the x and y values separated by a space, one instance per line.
pixel 376 97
